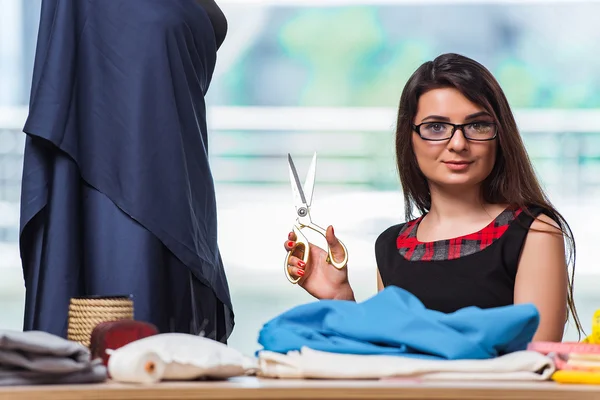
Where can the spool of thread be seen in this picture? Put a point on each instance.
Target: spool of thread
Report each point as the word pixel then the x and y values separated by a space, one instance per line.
pixel 87 312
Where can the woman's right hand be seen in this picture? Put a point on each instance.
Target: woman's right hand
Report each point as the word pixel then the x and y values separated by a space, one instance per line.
pixel 318 277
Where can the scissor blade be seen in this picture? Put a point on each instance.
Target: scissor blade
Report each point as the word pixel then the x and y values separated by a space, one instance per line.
pixel 296 186
pixel 309 184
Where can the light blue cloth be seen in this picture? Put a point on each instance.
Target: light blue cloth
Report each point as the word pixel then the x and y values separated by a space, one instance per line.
pixel 395 322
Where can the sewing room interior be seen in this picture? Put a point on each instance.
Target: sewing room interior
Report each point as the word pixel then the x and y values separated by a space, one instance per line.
pixel 300 199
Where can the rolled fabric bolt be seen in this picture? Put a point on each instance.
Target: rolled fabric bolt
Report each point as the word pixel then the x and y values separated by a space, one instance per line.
pixel 141 368
pixel 176 356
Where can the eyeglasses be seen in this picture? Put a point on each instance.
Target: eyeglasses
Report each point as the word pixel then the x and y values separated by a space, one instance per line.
pixel 438 131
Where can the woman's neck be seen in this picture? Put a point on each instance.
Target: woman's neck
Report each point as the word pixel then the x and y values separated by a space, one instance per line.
pixel 456 212
pixel 454 204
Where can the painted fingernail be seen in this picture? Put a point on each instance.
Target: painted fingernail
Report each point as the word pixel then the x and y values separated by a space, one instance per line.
pixel 290 235
pixel 332 230
pixel 290 244
pixel 300 272
pixel 301 264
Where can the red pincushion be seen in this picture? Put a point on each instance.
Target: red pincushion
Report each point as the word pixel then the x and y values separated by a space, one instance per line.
pixel 115 334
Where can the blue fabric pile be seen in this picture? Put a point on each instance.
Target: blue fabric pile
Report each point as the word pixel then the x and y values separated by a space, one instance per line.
pixel 394 322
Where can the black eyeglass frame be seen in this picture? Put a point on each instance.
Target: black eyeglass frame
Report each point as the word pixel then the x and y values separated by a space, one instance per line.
pixel 455 127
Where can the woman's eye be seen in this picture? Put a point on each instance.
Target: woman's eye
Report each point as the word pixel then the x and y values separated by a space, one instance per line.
pixel 480 126
pixel 436 127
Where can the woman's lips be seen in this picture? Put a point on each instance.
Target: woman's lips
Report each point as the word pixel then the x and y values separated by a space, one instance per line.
pixel 458 165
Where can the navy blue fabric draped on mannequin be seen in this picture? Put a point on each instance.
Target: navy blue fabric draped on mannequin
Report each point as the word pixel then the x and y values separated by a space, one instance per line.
pixel 117 194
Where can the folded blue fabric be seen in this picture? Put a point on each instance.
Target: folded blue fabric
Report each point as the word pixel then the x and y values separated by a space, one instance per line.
pixel 395 322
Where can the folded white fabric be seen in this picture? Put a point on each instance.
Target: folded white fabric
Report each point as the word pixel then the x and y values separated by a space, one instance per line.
pixel 308 363
pixel 177 356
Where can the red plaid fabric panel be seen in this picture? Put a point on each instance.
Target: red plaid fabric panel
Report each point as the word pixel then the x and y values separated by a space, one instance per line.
pixel 414 250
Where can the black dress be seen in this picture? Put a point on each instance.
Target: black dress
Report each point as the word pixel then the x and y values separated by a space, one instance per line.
pixel 478 269
pixel 117 195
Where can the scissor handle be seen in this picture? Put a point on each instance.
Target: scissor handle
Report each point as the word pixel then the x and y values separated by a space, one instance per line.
pixel 330 259
pixel 301 242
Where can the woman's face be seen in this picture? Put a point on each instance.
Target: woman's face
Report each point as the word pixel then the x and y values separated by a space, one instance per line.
pixel 457 161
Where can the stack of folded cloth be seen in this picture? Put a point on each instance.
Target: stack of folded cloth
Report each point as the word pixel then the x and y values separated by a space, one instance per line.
pixel 393 335
pixel 35 357
pixel 575 362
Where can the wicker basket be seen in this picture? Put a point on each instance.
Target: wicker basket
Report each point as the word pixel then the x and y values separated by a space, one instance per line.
pixel 87 312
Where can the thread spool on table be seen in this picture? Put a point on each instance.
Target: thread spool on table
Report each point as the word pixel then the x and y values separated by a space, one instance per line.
pixel 87 312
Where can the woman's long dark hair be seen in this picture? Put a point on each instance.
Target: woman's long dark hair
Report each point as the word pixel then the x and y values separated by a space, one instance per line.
pixel 512 180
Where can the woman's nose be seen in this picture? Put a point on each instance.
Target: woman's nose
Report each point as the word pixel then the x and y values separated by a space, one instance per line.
pixel 458 142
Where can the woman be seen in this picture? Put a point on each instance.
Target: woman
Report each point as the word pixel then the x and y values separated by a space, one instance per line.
pixel 487 235
pixel 117 195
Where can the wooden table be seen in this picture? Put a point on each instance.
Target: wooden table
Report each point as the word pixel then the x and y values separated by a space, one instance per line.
pixel 253 388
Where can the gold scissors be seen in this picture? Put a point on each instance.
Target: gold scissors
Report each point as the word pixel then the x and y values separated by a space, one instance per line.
pixel 302 202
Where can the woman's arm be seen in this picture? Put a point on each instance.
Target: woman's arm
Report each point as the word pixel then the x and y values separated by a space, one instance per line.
pixel 542 278
pixel 379 282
